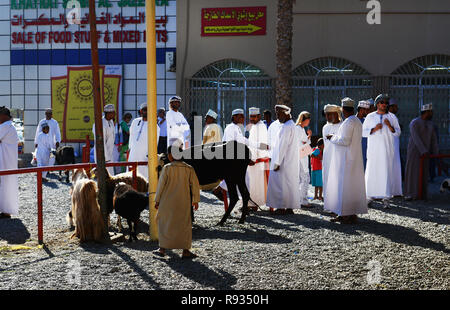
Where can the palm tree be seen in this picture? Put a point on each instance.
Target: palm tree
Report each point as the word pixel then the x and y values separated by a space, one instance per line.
pixel 283 87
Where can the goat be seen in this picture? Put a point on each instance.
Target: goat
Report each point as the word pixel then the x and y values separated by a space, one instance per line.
pixel 230 164
pixel 129 204
pixel 85 212
pixel 64 155
pixel 112 181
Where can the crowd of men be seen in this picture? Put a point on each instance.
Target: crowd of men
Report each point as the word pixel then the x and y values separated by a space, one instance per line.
pixel 358 162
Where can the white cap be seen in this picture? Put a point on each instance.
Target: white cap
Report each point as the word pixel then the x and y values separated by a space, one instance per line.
pixel 253 111
pixel 427 107
pixel 364 104
pixel 49 110
pixel 175 142
pixel 143 105
pixel 237 111
pixel 212 114
pixel 43 125
pixel 284 107
pixel 108 108
pixel 347 102
pixel 175 98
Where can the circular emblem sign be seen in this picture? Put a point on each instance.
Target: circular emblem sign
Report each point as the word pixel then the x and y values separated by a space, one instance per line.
pixel 108 93
pixel 83 87
pixel 61 93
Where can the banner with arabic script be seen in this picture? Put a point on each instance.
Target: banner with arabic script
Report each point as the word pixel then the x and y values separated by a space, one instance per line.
pixel 234 21
pixel 79 111
pixel 73 101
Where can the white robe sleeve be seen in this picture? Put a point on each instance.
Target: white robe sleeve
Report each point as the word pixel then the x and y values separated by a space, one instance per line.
pixel 3 131
pixel 38 131
pixel 396 125
pixel 367 126
pixel 344 136
pixel 185 128
pixel 284 139
pixel 57 132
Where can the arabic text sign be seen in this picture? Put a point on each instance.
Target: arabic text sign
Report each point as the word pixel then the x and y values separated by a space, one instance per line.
pixel 23 36
pixel 234 21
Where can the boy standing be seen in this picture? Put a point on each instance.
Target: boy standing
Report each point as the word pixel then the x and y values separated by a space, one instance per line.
pixel 316 168
pixel 178 189
pixel 44 144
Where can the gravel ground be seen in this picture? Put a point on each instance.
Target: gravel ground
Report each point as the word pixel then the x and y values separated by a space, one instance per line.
pixel 405 247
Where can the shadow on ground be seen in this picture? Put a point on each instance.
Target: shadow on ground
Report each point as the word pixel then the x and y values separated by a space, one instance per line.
pixel 13 231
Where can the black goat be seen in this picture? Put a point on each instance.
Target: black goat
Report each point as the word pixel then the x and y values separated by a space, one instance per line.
pixel 65 155
pixel 129 204
pixel 222 161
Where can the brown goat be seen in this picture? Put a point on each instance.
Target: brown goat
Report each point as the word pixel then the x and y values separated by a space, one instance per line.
pixel 85 213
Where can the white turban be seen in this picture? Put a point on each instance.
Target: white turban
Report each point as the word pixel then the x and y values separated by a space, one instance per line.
pixel 381 97
pixel 330 108
pixel 283 107
pixel 109 108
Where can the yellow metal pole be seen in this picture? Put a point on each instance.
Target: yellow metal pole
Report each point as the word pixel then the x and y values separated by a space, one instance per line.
pixel 151 113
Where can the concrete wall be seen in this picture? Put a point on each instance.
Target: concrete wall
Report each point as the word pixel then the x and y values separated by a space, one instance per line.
pixel 321 28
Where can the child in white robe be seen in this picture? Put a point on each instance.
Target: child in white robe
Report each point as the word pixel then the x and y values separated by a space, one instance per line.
pixel 44 146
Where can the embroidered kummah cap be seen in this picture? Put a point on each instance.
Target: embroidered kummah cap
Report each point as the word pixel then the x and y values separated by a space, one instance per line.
pixel 253 111
pixel 427 107
pixel 143 105
pixel 237 111
pixel 48 110
pixel 43 125
pixel 382 97
pixel 109 108
pixel 347 102
pixel 365 104
pixel 212 114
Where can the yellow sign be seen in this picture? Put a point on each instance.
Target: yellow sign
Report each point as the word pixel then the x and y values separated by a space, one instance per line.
pixel 73 99
pixel 79 111
pixel 111 87
pixel 59 91
pixel 231 29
